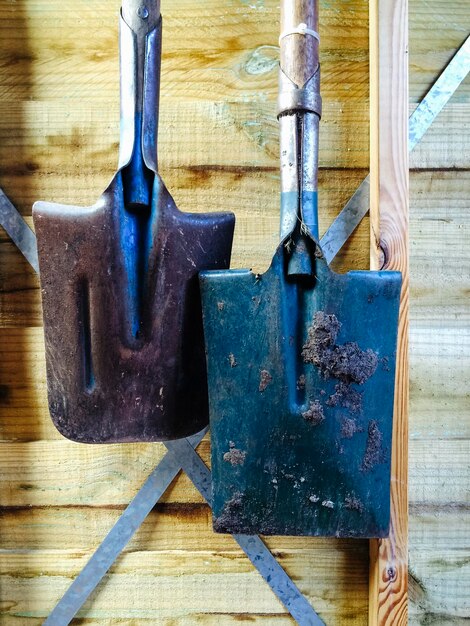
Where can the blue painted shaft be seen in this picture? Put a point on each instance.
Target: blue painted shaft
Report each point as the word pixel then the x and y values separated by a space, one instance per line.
pixel 310 211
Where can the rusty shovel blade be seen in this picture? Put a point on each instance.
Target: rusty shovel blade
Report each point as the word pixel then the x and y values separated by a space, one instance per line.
pixel 120 294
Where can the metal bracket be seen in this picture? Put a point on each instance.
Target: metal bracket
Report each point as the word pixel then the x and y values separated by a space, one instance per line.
pixel 181 453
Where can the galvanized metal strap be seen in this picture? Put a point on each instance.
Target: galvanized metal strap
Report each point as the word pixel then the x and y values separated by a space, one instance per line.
pixel 439 94
pixel 118 537
pixel 421 119
pixel 260 556
pixel 18 231
pixel 181 453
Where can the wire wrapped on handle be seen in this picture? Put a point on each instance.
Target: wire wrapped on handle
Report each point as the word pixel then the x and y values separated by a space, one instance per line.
pixel 299 48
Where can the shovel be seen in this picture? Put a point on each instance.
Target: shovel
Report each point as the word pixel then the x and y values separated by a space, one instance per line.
pixel 301 360
pixel 120 294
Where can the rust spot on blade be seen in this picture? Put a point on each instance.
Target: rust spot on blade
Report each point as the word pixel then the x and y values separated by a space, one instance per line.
pixel 265 380
pixel 353 504
pixel 349 427
pixel 347 397
pixel 345 362
pixel 374 453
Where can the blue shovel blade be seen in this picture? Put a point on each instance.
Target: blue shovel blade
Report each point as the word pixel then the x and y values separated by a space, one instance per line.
pixel 301 386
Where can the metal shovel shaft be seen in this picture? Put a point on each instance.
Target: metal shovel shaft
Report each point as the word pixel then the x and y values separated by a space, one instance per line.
pixel 140 52
pixel 299 112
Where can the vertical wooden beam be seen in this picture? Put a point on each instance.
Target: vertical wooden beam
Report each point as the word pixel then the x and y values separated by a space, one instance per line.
pixel 388 592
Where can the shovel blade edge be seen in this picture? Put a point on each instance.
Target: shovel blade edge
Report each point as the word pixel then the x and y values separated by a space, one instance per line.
pixel 107 383
pixel 301 388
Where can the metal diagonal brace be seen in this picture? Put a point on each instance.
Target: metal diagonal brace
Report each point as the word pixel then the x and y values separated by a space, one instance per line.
pixel 156 484
pixel 181 455
pixel 260 556
pixel 18 231
pixel 118 537
pixel 421 119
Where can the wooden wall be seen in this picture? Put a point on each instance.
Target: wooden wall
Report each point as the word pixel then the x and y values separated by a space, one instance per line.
pixel 439 545
pixel 59 110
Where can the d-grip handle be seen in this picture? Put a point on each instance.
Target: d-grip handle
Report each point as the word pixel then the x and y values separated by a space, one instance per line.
pixel 140 56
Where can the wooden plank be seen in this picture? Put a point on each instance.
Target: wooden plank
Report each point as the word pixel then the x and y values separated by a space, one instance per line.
pixel 176 547
pixel 62 473
pixel 438 531
pixel 440 281
pixel 242 54
pixel 435 35
pixel 440 370
pixel 439 563
pixel 436 597
pixel 223 133
pixel 176 585
pixel 388 593
pixel 438 540
pixel 196 619
pixel 170 526
pixel 434 151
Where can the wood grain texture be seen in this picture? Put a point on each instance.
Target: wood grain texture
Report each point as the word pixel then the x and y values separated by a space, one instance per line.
pixel 59 113
pixel 62 473
pixel 439 555
pixel 435 35
pixel 388 592
pixel 189 586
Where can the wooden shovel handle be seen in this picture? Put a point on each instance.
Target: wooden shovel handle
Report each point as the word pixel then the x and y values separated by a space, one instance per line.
pixel 299 53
